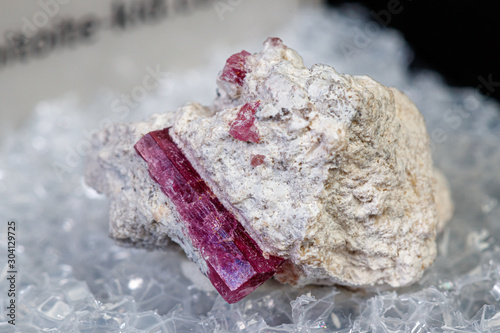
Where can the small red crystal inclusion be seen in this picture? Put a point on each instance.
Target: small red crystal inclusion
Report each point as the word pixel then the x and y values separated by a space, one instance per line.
pixel 236 264
pixel 257 160
pixel 274 41
pixel 234 71
pixel 243 127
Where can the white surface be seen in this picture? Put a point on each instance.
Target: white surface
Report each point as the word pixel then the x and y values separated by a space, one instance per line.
pixel 119 59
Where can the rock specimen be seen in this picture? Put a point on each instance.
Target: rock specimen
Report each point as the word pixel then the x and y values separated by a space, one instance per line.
pixel 329 171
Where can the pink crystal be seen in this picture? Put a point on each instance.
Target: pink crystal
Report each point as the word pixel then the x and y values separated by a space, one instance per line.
pixel 274 41
pixel 243 127
pixel 236 264
pixel 257 160
pixel 234 71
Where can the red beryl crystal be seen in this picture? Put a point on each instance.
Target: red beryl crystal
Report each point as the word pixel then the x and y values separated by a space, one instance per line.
pixel 234 71
pixel 257 160
pixel 236 264
pixel 274 41
pixel 243 127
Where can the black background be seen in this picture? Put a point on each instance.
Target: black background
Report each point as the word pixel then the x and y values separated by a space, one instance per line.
pixel 458 39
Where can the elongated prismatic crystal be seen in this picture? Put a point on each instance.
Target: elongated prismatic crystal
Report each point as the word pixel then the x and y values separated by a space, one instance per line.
pixel 236 264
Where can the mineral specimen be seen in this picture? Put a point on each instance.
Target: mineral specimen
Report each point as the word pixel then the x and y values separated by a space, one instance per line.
pixel 345 189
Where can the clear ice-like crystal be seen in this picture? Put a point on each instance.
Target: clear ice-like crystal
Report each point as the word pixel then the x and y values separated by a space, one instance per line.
pixel 236 264
pixel 54 308
pixel 150 321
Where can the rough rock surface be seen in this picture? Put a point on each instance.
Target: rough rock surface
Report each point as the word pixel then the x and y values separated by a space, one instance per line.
pixel 344 187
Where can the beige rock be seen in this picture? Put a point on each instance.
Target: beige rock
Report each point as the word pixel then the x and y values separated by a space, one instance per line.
pixel 347 191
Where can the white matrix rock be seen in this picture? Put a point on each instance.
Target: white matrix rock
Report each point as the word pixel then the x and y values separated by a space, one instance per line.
pixel 346 192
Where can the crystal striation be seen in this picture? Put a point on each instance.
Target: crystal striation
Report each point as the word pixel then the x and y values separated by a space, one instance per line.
pixel 236 265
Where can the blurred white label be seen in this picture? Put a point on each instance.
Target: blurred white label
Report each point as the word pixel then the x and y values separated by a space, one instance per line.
pixel 54 47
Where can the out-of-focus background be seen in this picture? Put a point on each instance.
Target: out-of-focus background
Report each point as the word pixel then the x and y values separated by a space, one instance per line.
pixel 454 38
pixel 51 48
